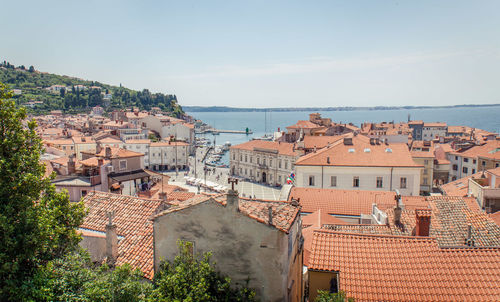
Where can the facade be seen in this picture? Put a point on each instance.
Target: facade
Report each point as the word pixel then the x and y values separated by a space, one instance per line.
pixel 360 163
pixel 486 190
pixel 252 241
pixel 417 129
pixel 431 131
pixel 140 146
pixel 168 155
pixel 263 161
pixel 474 159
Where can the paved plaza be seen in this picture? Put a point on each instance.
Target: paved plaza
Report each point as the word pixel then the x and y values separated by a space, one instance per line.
pixel 220 175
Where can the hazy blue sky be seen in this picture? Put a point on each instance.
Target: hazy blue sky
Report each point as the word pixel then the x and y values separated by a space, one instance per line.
pixel 268 53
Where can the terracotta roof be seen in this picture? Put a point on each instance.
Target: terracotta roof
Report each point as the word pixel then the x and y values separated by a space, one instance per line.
pixel 281 147
pixel 426 154
pixel 119 153
pixel 110 140
pixel 450 217
pixel 459 187
pixel 319 218
pixel 138 141
pixel 132 218
pixel 398 268
pixel 380 229
pixel 446 147
pixel 349 202
pixel 180 195
pixel 491 149
pixel 304 125
pixel 320 141
pixel 92 162
pixel 61 141
pixel 83 140
pixel 283 213
pixel 360 153
pixel 434 124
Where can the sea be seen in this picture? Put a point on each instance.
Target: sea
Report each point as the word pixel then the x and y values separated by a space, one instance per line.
pixel 261 123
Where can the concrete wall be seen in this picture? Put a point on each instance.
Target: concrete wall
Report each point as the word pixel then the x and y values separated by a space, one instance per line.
pixel 242 247
pixel 367 178
pixel 95 245
pixel 133 163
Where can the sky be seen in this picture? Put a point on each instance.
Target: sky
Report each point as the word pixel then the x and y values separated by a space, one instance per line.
pixel 268 53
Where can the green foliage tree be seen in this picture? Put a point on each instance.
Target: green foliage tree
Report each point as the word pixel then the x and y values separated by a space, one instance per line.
pixel 32 69
pixel 324 296
pixel 189 278
pixel 37 224
pixel 75 278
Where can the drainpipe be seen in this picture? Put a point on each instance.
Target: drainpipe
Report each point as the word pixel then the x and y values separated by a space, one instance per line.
pixel 322 177
pixel 392 168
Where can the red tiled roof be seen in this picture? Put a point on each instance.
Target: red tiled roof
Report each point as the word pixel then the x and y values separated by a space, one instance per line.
pixel 459 187
pixel 281 147
pixel 360 153
pixel 398 268
pixel 319 218
pixel 132 218
pixel 320 141
pixel 119 153
pixel 495 217
pixel 301 124
pixel 348 202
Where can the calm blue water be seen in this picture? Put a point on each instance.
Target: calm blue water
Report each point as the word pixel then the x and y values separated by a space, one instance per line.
pixel 487 118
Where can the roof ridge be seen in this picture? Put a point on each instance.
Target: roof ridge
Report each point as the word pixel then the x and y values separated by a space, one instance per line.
pixel 423 238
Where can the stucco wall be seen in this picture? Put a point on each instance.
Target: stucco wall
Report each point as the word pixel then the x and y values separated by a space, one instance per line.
pixel 318 281
pixel 242 247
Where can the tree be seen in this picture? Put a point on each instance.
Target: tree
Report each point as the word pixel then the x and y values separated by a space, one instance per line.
pixel 75 278
pixel 189 278
pixel 324 296
pixel 32 69
pixel 37 224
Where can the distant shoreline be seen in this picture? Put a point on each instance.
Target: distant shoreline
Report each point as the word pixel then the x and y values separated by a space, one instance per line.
pixel 294 109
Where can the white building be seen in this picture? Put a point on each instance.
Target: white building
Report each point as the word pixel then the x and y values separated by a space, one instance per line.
pixel 140 146
pixel 432 131
pixel 360 163
pixel 167 127
pixel 168 155
pixel 263 161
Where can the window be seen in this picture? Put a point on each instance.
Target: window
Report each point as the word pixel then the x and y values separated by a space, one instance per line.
pixel 264 161
pixel 425 180
pixel 355 181
pixel 286 164
pixel 425 171
pixel 455 167
pixel 483 163
pixel 123 164
pixel 84 192
pixel 466 160
pixel 246 158
pixel 279 178
pixel 402 183
pixel 270 163
pixel 473 171
pixel 380 182
pixel 234 156
pixel 251 159
pixel 426 162
pixel 496 165
pixel 333 181
pixel 465 169
pixel 279 163
pixel 258 160
pixel 456 157
pixel 311 181
pixel 474 161
pixel 241 157
pixel 246 171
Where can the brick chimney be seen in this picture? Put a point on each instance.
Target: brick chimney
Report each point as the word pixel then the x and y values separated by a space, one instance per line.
pixel 397 210
pixel 108 152
pixel 111 240
pixel 423 225
pixel 71 165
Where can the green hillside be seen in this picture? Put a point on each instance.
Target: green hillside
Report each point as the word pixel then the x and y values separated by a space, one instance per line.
pixel 33 92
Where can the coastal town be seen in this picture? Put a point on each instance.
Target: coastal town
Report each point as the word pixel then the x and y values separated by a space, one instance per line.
pixel 380 211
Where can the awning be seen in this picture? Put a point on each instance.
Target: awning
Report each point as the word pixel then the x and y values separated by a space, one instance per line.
pixel 129 175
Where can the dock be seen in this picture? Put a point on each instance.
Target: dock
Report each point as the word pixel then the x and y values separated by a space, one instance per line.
pixel 217 131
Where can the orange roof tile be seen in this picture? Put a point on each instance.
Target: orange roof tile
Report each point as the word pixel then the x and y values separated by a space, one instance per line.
pixel 360 153
pixel 495 217
pixel 119 153
pixel 459 187
pixel 320 141
pixel 132 218
pixel 348 202
pixel 319 218
pixel 397 268
pixel 301 124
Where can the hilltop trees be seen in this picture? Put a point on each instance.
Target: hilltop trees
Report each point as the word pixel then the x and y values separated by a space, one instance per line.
pixel 37 224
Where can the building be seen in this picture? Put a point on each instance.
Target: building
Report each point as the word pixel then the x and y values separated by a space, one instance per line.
pixel 360 163
pixel 431 131
pixel 83 143
pixel 139 146
pixel 168 127
pixel 168 155
pixel 422 153
pixel 252 241
pixel 390 132
pixel 263 161
pixel 118 229
pixel 486 190
pixel 447 251
pixel 417 129
pixel 466 162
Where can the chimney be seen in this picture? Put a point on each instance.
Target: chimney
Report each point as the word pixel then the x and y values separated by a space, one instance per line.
pixel 71 165
pixel 108 152
pixel 232 200
pixel 98 148
pixel 270 215
pixel 397 211
pixel 111 240
pixel 469 241
pixel 163 196
pixel 328 159
pixel 423 224
pixel 100 162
